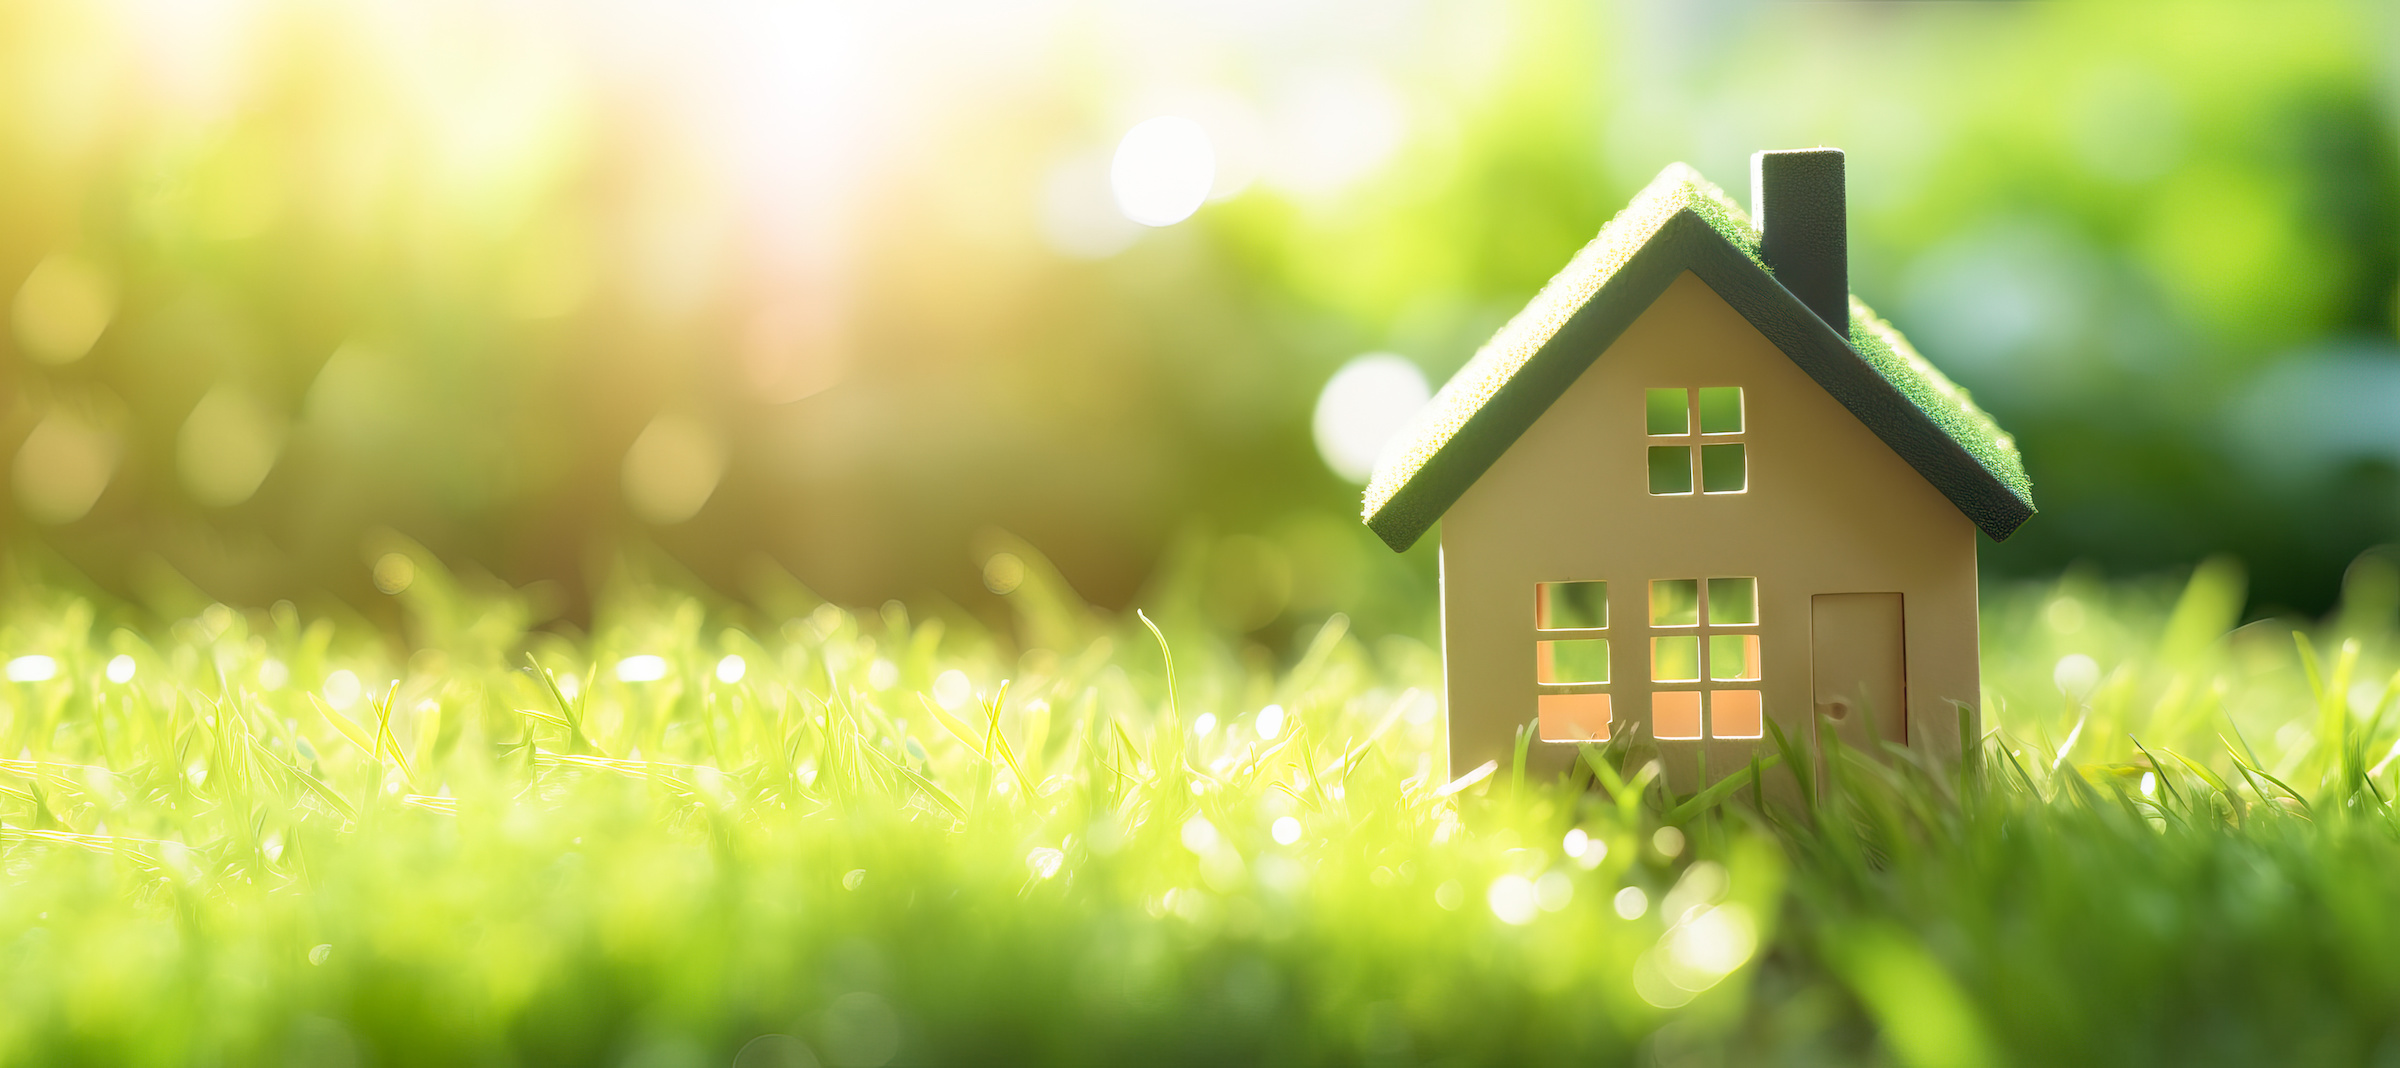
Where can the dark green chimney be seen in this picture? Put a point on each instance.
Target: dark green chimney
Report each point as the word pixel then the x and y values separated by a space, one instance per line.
pixel 1797 197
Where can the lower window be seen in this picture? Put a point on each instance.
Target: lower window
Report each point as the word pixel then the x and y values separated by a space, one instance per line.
pixel 1736 714
pixel 1675 714
pixel 1573 717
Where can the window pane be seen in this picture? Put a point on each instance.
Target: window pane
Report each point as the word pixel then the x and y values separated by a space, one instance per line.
pixel 1721 410
pixel 1570 605
pixel 1675 659
pixel 1670 469
pixel 1675 602
pixel 1580 660
pixel 1736 714
pixel 1723 469
pixel 1733 602
pixel 1733 657
pixel 1573 717
pixel 1667 411
pixel 1675 714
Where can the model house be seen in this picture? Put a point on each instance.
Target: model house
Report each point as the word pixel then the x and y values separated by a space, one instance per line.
pixel 1696 487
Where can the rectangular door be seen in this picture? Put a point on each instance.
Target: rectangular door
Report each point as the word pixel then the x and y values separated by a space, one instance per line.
pixel 1858 657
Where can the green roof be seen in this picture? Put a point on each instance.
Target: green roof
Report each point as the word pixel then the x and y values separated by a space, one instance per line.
pixel 1682 222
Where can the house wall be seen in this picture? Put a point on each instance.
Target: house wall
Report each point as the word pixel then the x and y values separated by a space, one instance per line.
pixel 1829 509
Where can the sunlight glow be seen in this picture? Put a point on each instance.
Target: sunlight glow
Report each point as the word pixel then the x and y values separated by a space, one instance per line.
pixel 731 669
pixel 1332 127
pixel 120 669
pixel 1363 407
pixel 1270 722
pixel 1163 170
pixel 1286 830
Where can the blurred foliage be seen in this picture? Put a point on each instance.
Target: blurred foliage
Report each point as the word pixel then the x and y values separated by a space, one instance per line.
pixel 822 287
pixel 780 833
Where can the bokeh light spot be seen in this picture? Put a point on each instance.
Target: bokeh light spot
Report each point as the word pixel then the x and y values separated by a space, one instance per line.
pixel 1270 722
pixel 672 469
pixel 1513 899
pixel 1003 573
pixel 1712 944
pixel 120 669
pixel 342 689
pixel 1163 170
pixel 1449 895
pixel 1199 835
pixel 61 468
pixel 951 689
pixel 36 668
pixel 2076 675
pixel 775 1051
pixel 61 309
pixel 1363 407
pixel 1668 841
pixel 644 667
pixel 226 447
pixel 2064 615
pixel 1554 891
pixel 394 572
pixel 1631 903
pixel 731 669
pixel 1286 830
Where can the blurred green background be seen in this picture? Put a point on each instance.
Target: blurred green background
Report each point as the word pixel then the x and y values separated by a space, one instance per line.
pixel 842 289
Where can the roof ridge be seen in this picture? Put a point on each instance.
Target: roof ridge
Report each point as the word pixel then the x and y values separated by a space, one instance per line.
pixel 1677 187
pixel 1400 509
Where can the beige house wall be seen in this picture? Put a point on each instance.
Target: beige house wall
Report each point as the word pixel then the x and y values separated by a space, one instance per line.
pixel 1829 509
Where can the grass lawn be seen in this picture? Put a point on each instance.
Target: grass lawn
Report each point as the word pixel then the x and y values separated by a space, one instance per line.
pixel 708 833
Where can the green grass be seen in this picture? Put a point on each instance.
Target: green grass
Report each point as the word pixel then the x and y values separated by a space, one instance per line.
pixel 205 864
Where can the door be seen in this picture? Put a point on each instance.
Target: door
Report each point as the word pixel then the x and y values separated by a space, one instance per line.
pixel 1858 658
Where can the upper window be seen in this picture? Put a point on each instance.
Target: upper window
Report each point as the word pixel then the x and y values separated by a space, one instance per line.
pixel 1717 461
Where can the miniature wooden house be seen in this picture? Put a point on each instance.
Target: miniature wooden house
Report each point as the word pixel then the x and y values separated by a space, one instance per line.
pixel 1696 487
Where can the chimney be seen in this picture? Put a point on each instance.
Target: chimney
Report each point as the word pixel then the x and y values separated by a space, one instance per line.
pixel 1797 196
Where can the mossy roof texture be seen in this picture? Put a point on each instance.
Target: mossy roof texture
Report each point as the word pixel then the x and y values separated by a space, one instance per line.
pixel 1682 222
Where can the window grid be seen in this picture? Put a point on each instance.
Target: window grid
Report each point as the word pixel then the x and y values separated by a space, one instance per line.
pixel 1698 440
pixel 1571 661
pixel 1704 634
